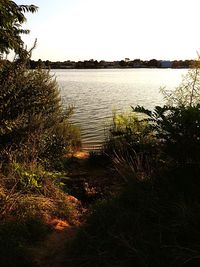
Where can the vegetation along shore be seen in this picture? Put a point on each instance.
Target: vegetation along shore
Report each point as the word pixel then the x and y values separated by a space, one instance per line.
pixel 135 202
pixel 118 64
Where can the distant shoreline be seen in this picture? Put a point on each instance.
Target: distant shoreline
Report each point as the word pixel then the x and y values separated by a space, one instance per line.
pixel 122 64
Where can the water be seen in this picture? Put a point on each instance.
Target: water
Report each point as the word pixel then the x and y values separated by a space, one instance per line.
pixel 96 93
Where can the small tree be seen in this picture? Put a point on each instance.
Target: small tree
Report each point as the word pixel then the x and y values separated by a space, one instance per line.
pixel 188 92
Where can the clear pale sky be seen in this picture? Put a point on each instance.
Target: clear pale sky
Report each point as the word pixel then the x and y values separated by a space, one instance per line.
pixel 114 29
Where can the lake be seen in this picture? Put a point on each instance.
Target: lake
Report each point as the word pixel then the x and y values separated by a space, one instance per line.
pixel 96 93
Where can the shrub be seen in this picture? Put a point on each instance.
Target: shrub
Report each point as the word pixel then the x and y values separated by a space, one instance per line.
pixel 34 178
pixel 132 145
pixel 130 131
pixel 31 115
pixel 29 102
pixel 61 140
pixel 177 130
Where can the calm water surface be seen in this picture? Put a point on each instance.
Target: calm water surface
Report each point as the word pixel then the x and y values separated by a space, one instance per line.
pixel 96 93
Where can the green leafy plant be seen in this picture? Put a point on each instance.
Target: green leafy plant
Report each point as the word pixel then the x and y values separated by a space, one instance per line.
pixel 28 179
pixel 33 177
pixel 129 131
pixel 177 129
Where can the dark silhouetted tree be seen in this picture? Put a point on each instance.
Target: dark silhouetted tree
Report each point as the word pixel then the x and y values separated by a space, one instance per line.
pixel 11 19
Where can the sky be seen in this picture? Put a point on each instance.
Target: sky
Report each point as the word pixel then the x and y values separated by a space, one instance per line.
pixel 113 29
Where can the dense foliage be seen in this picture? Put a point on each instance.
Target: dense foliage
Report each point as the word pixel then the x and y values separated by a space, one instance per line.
pixel 177 130
pixel 31 114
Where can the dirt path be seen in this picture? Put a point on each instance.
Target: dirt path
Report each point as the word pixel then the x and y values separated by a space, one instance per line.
pixel 88 182
pixel 52 251
pixel 92 178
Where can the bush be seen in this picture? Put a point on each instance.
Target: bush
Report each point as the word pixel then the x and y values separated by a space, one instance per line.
pixel 33 178
pixel 29 102
pixel 133 146
pixel 31 115
pixel 177 131
pixel 128 130
pixel 64 138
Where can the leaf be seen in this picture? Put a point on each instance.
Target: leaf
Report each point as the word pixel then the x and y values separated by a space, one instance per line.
pixel 141 109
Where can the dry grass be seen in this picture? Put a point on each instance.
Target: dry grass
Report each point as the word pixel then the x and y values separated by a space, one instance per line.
pixel 132 165
pixel 21 207
pixel 52 203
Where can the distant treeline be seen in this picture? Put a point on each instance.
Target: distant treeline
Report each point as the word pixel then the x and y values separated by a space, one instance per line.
pixel 126 63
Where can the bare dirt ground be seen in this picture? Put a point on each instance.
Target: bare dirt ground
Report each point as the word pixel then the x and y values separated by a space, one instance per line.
pixel 51 252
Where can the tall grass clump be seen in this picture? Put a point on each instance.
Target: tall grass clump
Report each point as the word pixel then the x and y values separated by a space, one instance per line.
pixel 132 145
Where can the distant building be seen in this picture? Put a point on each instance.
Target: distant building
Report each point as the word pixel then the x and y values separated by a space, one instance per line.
pixel 166 64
